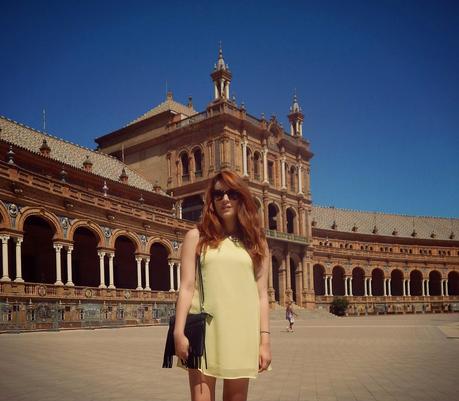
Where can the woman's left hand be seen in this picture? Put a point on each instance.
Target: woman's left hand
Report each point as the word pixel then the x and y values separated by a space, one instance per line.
pixel 265 357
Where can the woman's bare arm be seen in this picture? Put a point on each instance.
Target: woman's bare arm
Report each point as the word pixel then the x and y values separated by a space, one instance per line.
pixel 187 282
pixel 262 284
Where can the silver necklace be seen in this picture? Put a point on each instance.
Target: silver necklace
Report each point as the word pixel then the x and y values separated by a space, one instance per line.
pixel 233 238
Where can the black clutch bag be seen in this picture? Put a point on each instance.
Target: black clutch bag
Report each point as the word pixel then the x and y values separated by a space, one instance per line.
pixel 195 331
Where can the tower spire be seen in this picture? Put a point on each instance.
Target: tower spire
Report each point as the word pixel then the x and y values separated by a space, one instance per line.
pixel 296 117
pixel 221 76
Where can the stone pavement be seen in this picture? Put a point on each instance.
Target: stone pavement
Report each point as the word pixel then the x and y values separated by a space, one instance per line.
pixel 382 358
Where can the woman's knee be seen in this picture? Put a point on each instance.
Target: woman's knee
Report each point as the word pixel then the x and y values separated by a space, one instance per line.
pixel 202 387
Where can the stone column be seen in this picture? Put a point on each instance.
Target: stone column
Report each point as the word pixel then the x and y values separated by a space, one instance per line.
pixel 171 276
pixel 427 287
pixel 385 287
pixel 326 284
pixel 370 286
pixel 287 269
pixel 366 287
pixel 389 286
pixel 408 287
pixel 244 158
pixel 330 281
pixel 102 269
pixel 404 287
pixel 18 278
pixel 57 248
pixel 282 283
pixel 69 282
pixel 346 294
pixel 300 180
pixel 423 287
pixel 265 164
pixel 299 272
pixel 283 183
pixel 5 273
pixel 178 276
pixel 446 287
pixel 110 270
pixel 147 274
pixel 138 259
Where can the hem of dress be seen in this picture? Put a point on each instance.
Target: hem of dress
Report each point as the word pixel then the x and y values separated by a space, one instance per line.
pixel 219 376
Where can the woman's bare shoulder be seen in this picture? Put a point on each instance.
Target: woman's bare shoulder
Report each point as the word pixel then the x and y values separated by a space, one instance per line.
pixel 192 235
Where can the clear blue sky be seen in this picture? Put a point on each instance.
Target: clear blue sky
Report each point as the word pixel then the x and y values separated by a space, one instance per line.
pixel 377 80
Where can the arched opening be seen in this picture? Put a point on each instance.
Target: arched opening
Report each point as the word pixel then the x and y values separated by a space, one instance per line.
pixel 249 163
pixel 256 166
pixel 185 167
pixel 197 155
pixel 275 264
pixel 396 284
pixel 292 178
pixel 377 282
pixel 319 281
pixel 124 263
pixel 338 280
pixel 192 208
pixel 85 260
pixel 293 267
pixel 291 220
pixel 38 254
pixel 358 282
pixel 273 212
pixel 453 283
pixel 159 268
pixel 434 283
pixel 271 172
pixel 416 283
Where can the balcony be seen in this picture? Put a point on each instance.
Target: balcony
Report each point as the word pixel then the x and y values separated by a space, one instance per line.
pixel 274 234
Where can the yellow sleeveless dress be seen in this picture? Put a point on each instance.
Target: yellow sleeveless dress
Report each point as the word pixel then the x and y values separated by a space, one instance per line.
pixel 231 297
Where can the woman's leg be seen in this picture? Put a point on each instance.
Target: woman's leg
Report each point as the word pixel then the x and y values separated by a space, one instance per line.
pixel 202 387
pixel 235 389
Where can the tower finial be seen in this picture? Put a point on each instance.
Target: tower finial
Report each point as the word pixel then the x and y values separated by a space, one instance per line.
pixel 296 117
pixel 221 77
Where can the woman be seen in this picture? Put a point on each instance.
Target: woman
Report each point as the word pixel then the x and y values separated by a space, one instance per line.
pixel 234 264
pixel 289 315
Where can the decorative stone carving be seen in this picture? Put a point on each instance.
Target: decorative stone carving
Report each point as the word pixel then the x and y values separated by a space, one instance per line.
pixel 65 224
pixel 107 232
pixel 13 210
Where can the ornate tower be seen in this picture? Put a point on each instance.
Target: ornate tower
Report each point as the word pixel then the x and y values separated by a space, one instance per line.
pixel 221 77
pixel 296 118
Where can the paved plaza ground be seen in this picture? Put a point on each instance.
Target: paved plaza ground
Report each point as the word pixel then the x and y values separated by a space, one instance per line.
pixel 402 358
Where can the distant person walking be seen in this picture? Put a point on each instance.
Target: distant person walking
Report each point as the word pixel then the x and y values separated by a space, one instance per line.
pixel 290 316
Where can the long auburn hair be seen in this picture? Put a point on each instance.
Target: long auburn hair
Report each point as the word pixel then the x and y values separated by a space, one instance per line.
pixel 211 228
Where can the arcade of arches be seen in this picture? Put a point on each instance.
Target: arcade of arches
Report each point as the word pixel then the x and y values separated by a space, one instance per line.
pixel 37 257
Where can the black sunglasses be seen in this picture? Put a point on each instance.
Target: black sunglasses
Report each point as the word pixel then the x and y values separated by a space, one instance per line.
pixel 217 194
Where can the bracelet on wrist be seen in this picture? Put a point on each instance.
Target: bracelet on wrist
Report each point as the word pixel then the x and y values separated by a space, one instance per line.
pixel 265 332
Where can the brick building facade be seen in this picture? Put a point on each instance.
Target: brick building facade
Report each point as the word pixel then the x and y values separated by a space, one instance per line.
pixel 92 238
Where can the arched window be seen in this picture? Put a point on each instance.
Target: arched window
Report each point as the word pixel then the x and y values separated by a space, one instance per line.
pixel 249 162
pixel 256 166
pixel 292 180
pixel 185 167
pixel 197 154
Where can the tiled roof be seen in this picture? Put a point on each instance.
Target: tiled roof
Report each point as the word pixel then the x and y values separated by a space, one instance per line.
pixel 386 224
pixel 168 104
pixel 69 153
